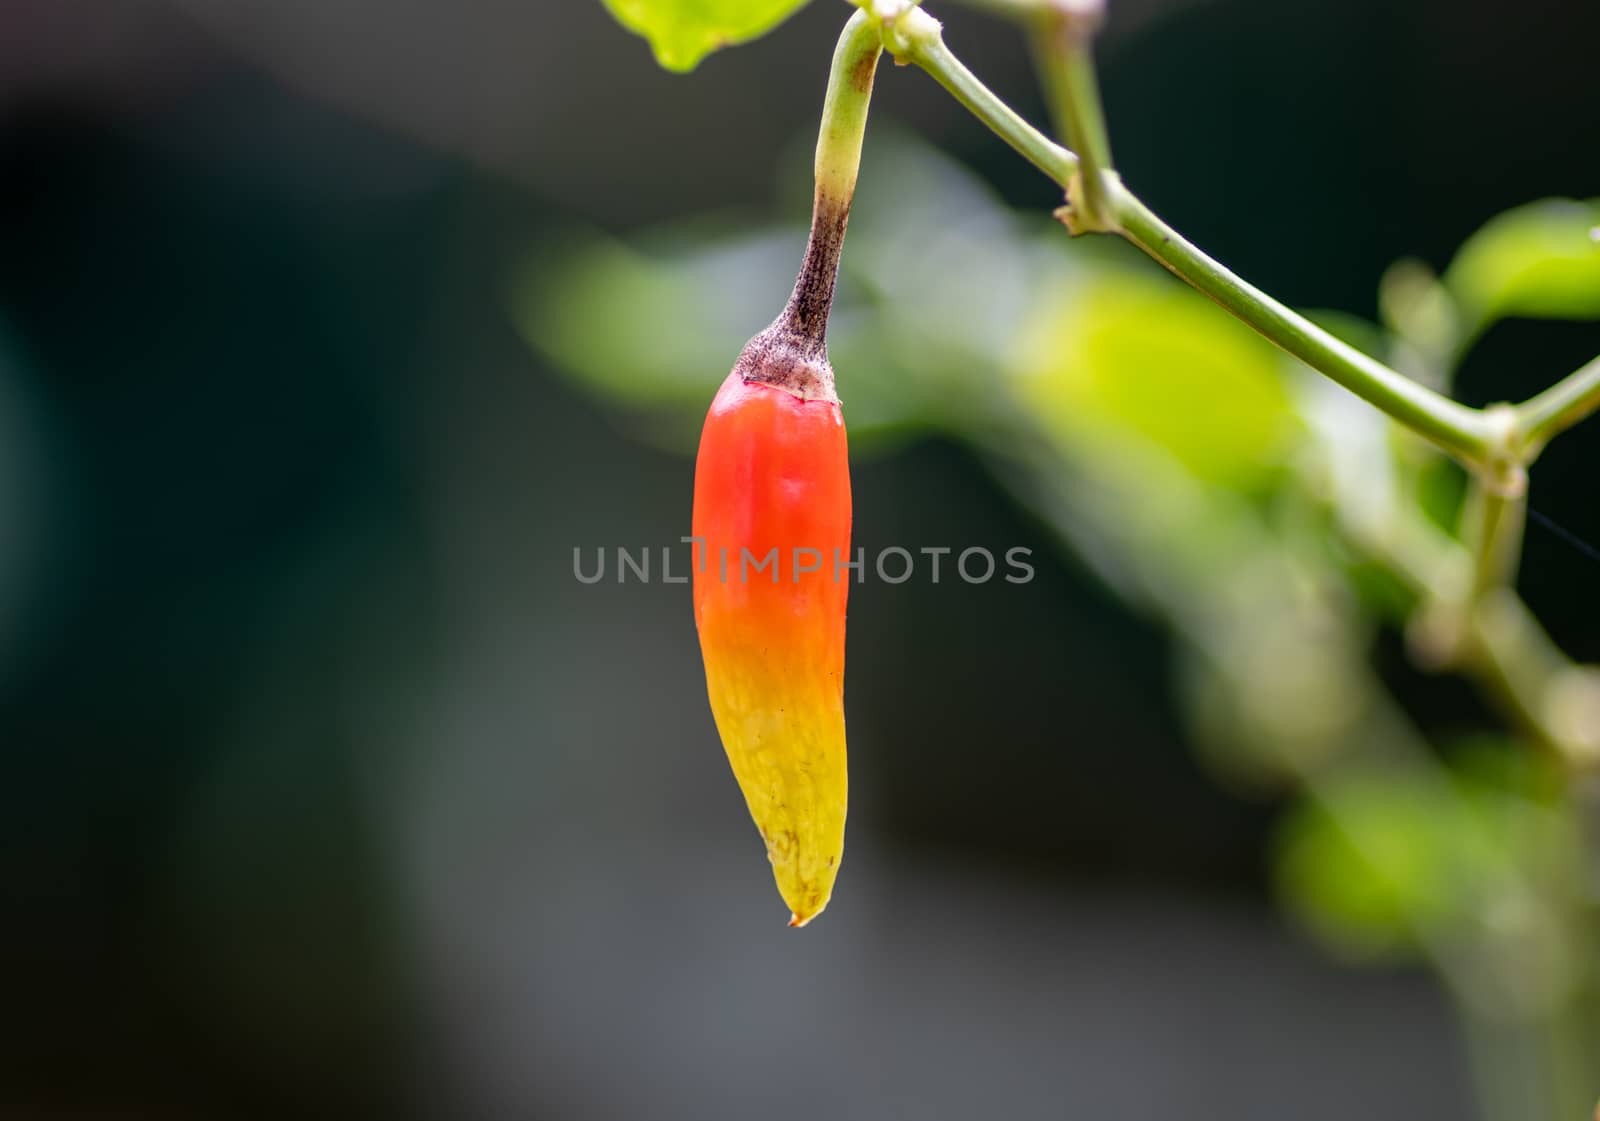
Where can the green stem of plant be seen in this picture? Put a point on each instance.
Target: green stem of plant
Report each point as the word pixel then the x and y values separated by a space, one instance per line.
pixel 1449 424
pixel 804 321
pixel 1067 36
pixel 844 109
pixel 1514 656
pixel 916 37
pixel 1492 526
pixel 1558 408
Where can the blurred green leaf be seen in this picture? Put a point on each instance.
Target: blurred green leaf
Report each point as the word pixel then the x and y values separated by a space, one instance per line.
pixel 1136 355
pixel 943 271
pixel 1440 486
pixel 932 285
pixel 682 32
pixel 653 330
pixel 1371 867
pixel 1389 859
pixel 1540 260
pixel 656 329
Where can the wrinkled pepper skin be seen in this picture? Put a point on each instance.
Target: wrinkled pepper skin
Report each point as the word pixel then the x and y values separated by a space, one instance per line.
pixel 773 473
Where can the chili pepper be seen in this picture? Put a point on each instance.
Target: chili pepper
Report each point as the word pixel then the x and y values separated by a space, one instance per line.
pixel 772 529
pixel 772 488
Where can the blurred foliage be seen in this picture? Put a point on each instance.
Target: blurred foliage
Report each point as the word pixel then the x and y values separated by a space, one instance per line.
pixel 1385 860
pixel 1275 523
pixel 1211 393
pixel 1540 260
pixel 574 312
pixel 1380 861
pixel 682 32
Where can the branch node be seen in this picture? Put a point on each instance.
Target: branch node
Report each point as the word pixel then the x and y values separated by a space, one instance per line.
pixel 1078 216
pixel 1503 469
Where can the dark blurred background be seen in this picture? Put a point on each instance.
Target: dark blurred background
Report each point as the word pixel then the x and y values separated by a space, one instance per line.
pixel 325 790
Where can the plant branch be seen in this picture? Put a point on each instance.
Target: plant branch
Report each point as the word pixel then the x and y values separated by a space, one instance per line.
pixel 1558 408
pixel 1492 527
pixel 1453 426
pixel 1516 658
pixel 1066 34
pixel 916 37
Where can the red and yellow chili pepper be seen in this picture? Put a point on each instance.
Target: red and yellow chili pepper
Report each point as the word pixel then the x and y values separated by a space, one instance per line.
pixel 772 531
